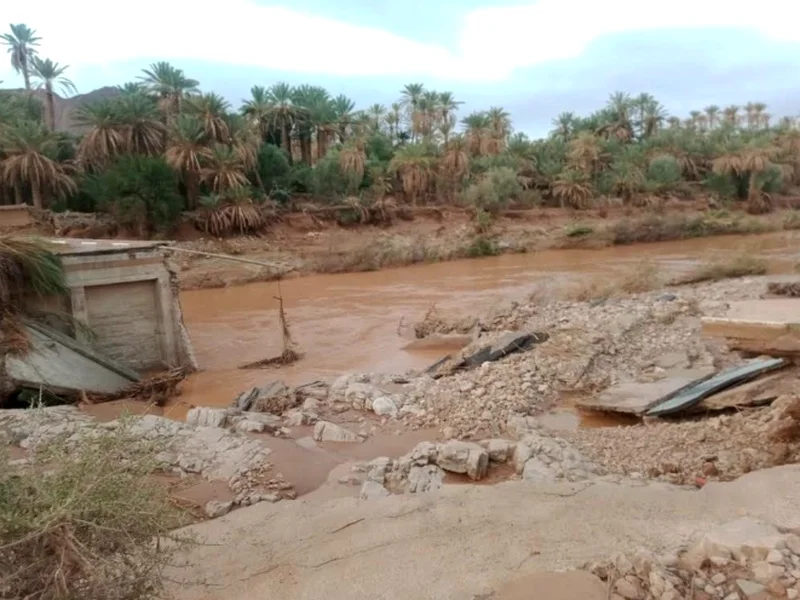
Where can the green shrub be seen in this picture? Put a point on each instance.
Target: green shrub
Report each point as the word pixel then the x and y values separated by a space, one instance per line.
pixel 482 246
pixel 273 167
pixel 301 179
pixel 724 186
pixel 330 182
pixel 496 188
pixel 771 180
pixel 140 191
pixel 664 171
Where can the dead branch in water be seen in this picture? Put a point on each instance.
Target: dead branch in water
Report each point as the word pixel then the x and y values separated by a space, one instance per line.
pixel 156 389
pixel 290 352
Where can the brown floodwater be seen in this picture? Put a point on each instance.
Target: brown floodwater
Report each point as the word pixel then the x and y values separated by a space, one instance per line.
pixel 354 321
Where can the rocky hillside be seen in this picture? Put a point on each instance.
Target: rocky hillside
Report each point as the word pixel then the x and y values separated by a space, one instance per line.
pixel 64 107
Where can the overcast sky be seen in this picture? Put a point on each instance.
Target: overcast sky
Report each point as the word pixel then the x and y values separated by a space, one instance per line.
pixel 536 59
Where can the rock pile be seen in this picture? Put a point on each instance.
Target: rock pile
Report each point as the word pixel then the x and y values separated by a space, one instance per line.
pixel 741 560
pixel 708 448
pixel 537 457
pixel 183 449
pixel 592 345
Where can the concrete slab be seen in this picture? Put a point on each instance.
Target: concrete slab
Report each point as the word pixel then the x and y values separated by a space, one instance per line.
pixel 755 393
pixel 769 326
pixel 636 398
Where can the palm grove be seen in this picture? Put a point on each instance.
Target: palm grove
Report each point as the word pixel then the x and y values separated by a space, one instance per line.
pixel 162 146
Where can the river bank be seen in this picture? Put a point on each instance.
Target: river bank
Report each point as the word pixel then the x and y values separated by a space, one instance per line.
pixel 300 245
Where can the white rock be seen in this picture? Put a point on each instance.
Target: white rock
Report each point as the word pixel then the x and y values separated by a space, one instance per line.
pixel 718 579
pixel 793 543
pixel 372 489
pixel 764 572
pixel 463 457
pixel 325 431
pixel 215 508
pixel 499 450
pixel 249 426
pixel 535 470
pixel 792 594
pixel 424 479
pixel 775 557
pixel 203 416
pixel 383 405
pixel 750 589
pixel 744 537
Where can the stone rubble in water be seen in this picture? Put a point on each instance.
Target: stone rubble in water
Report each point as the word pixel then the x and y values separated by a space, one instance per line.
pixel 538 456
pixel 740 560
pixel 325 431
pixel 214 453
pixel 592 345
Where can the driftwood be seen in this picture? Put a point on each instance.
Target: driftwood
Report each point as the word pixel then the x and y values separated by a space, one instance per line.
pixel 290 353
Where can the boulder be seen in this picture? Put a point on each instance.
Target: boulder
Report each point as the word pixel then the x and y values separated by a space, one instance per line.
pixel 325 431
pixel 383 405
pixel 509 343
pixel 424 479
pixel 372 489
pixel 297 418
pixel 203 416
pixel 742 538
pixel 249 426
pixel 499 450
pixel 215 508
pixel 463 457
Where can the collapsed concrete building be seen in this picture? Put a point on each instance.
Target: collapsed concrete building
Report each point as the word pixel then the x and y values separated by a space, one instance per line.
pixel 123 320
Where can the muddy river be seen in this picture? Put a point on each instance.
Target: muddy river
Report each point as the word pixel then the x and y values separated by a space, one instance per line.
pixel 354 321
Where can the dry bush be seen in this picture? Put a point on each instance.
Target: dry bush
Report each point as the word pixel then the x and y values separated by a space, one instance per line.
pixel 740 265
pixel 643 277
pixel 85 521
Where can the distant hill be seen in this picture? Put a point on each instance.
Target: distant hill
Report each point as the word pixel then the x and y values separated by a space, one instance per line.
pixel 64 107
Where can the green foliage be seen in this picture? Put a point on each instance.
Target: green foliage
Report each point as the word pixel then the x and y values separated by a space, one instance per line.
pixel 771 180
pixel 301 179
pixel 140 191
pixel 379 148
pixel 722 185
pixel 330 182
pixel 482 246
pixel 495 189
pixel 273 167
pixel 579 231
pixel 664 171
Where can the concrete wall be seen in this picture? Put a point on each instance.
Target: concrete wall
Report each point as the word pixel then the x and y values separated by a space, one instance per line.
pixel 126 301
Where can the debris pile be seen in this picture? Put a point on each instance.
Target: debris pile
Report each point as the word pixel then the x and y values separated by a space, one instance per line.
pixel 740 560
pixel 699 450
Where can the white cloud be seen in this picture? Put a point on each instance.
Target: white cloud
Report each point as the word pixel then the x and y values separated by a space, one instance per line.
pixel 494 41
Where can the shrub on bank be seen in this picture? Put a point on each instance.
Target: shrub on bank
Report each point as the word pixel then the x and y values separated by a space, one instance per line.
pixel 85 521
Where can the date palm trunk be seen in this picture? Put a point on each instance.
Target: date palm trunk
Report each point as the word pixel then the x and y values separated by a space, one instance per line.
pixel 51 108
pixel 38 201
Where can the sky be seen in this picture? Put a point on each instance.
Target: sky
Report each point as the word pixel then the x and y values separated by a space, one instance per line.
pixel 534 58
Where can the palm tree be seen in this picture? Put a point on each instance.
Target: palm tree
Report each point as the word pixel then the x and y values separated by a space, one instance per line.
pixel 29 163
pixel 759 109
pixel 500 127
pixel 654 117
pixel 409 99
pixel 377 113
pixel 448 105
pixel 142 131
pixel 257 109
pixel 224 169
pixel 104 139
pixel 712 114
pixel 343 108
pixel 412 163
pixel 731 115
pixel 186 151
pixel 564 125
pixel 131 88
pixel 170 85
pixel 674 122
pixel 47 74
pixel 283 113
pixel 393 119
pixel 21 42
pixel 477 129
pixel 642 104
pixel 211 109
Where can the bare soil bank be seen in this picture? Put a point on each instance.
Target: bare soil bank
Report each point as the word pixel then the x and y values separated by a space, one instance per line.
pixel 301 245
